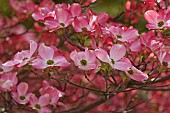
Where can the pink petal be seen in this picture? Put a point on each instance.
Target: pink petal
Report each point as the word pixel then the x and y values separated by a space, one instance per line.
pixel 44 100
pixel 33 47
pixel 122 65
pixel 51 23
pixel 10 63
pixel 136 46
pixel 73 55
pixel 61 61
pixel 45 52
pixel 131 34
pixel 137 75
pixel 117 52
pixel 22 88
pixel 33 101
pixel 102 18
pixel 75 9
pixel 63 16
pixel 102 55
pixel 45 110
pixel 151 16
pixel 39 64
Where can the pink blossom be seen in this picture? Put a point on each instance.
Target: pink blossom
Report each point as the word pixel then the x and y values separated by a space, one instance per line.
pixel 82 24
pixel 21 96
pixel 124 35
pixel 136 74
pixel 156 20
pixel 23 57
pixel 164 58
pixel 41 13
pixel 84 60
pixel 8 81
pixel 40 104
pixel 62 19
pixel 54 93
pixel 48 59
pixel 115 59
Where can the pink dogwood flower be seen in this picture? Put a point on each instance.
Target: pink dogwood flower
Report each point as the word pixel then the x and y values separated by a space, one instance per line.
pixel 124 35
pixel 54 93
pixel 21 96
pixel 156 20
pixel 115 59
pixel 84 60
pixel 48 59
pixel 8 81
pixel 61 19
pixel 23 57
pixel 136 74
pixel 40 104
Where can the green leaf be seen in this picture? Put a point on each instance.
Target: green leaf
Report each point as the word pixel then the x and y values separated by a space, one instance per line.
pixel 87 42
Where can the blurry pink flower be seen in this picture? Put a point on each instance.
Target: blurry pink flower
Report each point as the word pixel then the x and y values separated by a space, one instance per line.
pixel 81 24
pixel 84 60
pixel 54 93
pixel 75 9
pixel 40 104
pixel 136 74
pixel 8 81
pixel 41 13
pixel 117 53
pixel 21 96
pixel 156 20
pixel 23 57
pixel 47 58
pixel 4 69
pixel 62 18
pixel 164 58
pixel 124 36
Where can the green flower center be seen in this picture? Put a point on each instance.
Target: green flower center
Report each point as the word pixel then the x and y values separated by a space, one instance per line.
pixel 130 72
pixel 50 62
pixel 165 63
pixel 160 24
pixel 1 70
pixel 118 36
pixel 38 106
pixel 84 29
pixel 113 62
pixel 25 58
pixel 22 97
pixel 62 24
pixel 83 62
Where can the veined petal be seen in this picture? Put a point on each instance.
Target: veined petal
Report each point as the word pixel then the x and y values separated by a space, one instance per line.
pixel 44 100
pixel 60 61
pixel 73 55
pixel 10 63
pixel 102 55
pixel 122 65
pixel 22 88
pixel 46 52
pixel 117 52
pixel 131 34
pixel 75 9
pixel 39 64
pixel 151 16
pixel 137 75
pixel 33 47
